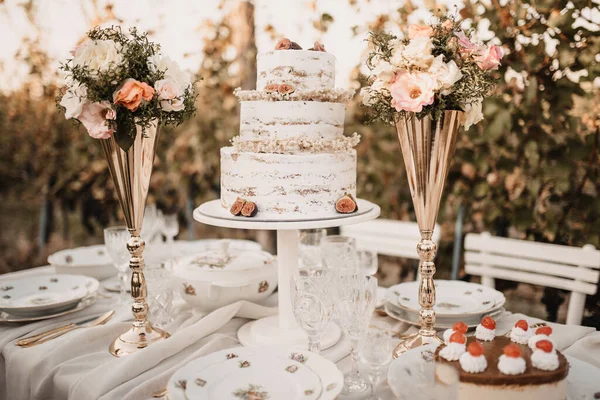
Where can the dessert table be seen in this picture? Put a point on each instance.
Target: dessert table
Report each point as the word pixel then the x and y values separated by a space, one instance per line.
pixel 79 366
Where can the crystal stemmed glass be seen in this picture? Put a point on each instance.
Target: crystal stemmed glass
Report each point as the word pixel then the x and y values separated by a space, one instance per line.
pixel 170 227
pixel 151 223
pixel 160 294
pixel 115 239
pixel 376 352
pixel 355 303
pixel 309 247
pixel 312 303
pixel 339 253
pixel 368 262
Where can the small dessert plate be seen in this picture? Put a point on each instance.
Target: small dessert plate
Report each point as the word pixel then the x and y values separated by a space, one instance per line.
pixel 92 261
pixel 46 294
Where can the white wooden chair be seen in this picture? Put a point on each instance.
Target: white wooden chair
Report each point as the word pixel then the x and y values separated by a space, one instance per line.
pixel 388 237
pixel 563 267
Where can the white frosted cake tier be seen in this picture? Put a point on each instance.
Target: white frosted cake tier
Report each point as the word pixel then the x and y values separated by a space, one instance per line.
pixel 272 120
pixel 284 185
pixel 303 69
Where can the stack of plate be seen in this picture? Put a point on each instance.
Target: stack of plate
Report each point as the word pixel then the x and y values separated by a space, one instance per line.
pixel 41 297
pixel 455 301
pixel 92 261
pixel 257 373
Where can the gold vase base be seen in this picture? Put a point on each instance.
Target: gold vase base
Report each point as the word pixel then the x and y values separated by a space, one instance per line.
pixel 136 339
pixel 413 341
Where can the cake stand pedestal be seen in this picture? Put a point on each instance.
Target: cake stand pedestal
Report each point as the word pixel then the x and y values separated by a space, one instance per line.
pixel 282 329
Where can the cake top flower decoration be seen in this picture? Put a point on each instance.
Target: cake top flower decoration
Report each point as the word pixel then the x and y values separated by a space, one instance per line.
pixel 455 348
pixel 116 81
pixel 521 333
pixel 473 361
pixel 431 69
pixel 486 331
pixel 511 362
pixel 542 333
pixel 544 356
pixel 457 327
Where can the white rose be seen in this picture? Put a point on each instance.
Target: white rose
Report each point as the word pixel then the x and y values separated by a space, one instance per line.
pixel 365 93
pixel 418 52
pixel 170 94
pixel 170 68
pixel 74 99
pixel 446 74
pixel 397 58
pixel 384 71
pixel 98 55
pixel 473 113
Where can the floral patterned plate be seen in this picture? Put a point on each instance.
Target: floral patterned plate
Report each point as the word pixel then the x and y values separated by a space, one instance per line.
pixel 452 298
pixel 257 373
pixel 44 294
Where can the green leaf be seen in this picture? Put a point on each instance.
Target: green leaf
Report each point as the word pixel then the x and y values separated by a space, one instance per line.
pixel 125 134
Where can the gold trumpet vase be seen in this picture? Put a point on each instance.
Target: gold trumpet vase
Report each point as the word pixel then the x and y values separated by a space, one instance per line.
pixel 427 146
pixel 131 171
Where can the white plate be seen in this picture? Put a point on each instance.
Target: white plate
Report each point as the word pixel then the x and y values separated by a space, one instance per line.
pixel 415 364
pixel 331 379
pixel 39 295
pixel 443 322
pixel 255 375
pixel 92 261
pixel 582 381
pixel 9 319
pixel 214 209
pixel 452 298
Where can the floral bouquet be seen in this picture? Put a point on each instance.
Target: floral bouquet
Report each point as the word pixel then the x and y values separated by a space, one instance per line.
pixel 434 69
pixel 116 82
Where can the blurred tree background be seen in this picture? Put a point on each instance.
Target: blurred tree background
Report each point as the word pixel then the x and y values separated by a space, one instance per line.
pixel 531 170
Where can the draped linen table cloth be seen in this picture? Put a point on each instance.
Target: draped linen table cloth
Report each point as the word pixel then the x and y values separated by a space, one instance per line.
pixel 78 365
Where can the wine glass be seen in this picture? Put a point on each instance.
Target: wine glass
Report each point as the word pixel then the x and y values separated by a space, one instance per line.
pixel 368 261
pixel 355 303
pixel 151 223
pixel 170 227
pixel 376 352
pixel 115 239
pixel 309 247
pixel 312 303
pixel 339 253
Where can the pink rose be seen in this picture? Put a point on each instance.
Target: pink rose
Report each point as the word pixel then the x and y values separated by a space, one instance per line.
pixel 415 31
pixel 489 58
pixel 465 44
pixel 94 117
pixel 131 93
pixel 412 91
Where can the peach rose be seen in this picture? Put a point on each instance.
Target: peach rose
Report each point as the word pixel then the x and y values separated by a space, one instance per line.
pixel 131 93
pixel 489 58
pixel 415 31
pixel 94 117
pixel 447 24
pixel 412 91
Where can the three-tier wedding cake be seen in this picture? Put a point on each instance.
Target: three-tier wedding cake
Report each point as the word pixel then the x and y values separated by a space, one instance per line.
pixel 291 158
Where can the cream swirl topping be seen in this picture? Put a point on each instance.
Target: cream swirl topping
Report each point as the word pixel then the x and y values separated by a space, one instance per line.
pixel 544 360
pixel 472 364
pixel 536 338
pixel 453 351
pixel 447 334
pixel 485 334
pixel 511 365
pixel 520 336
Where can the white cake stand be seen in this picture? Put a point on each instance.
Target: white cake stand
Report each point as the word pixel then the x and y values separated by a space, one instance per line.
pixel 282 329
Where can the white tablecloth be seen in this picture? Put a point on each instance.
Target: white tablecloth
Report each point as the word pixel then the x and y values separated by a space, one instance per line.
pixel 79 366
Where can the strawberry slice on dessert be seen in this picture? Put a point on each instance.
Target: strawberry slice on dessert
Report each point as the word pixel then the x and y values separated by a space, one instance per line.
pixel 488 323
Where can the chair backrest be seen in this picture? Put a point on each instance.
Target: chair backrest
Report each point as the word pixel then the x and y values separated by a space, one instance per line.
pixel 388 237
pixel 563 267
